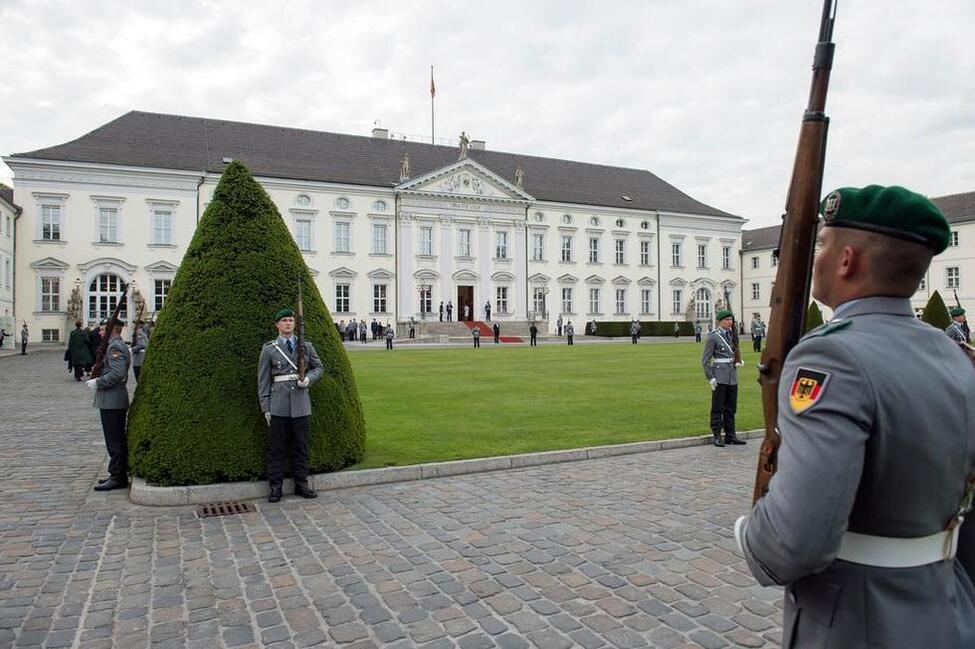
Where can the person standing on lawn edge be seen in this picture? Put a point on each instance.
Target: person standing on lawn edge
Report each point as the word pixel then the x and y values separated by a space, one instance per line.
pixel 286 404
pixel 722 375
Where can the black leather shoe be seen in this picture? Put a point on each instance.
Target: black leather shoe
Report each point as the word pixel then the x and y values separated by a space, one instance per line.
pixel 275 494
pixel 303 490
pixel 717 441
pixel 103 480
pixel 110 484
pixel 735 440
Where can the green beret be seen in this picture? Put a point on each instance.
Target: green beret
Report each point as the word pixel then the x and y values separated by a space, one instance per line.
pixel 956 311
pixel 724 313
pixel 284 313
pixel 893 211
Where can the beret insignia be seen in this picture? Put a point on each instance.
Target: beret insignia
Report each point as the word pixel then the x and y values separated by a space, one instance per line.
pixel 831 206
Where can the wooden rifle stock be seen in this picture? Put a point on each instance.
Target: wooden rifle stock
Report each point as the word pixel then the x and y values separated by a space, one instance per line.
pixel 790 293
pixel 300 329
pixel 96 369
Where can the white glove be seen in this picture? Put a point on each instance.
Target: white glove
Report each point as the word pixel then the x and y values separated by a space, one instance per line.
pixel 91 384
pixel 740 364
pixel 303 383
pixel 713 383
pixel 267 416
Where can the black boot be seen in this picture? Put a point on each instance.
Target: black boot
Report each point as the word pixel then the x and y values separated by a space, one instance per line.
pixel 302 489
pixel 734 439
pixel 717 440
pixel 275 493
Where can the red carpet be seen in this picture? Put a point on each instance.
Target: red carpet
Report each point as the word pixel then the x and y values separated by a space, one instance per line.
pixel 488 333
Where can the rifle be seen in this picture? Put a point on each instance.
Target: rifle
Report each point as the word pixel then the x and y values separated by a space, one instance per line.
pixel 797 241
pixel 300 333
pixel 96 369
pixel 964 325
pixel 734 328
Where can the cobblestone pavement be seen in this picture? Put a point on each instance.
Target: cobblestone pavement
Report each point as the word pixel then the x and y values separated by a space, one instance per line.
pixel 623 552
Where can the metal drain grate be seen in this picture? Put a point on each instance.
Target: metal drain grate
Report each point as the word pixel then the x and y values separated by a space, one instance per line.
pixel 207 510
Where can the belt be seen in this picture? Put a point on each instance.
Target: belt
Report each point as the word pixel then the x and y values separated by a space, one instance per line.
pixel 722 360
pixel 285 377
pixel 889 552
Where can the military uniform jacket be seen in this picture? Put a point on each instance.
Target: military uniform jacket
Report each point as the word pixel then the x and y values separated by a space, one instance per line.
pixel 877 416
pixel 139 348
pixel 111 392
pixel 634 328
pixel 955 332
pixel 718 348
pixel 758 328
pixel 570 329
pixel 285 398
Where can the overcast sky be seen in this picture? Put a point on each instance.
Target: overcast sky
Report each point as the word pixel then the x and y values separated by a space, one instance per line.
pixel 707 94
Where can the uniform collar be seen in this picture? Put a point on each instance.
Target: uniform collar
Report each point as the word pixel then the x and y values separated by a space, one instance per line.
pixel 874 305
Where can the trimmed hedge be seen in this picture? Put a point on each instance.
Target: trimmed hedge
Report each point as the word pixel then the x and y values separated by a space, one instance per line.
pixel 195 418
pixel 618 328
pixel 814 317
pixel 936 312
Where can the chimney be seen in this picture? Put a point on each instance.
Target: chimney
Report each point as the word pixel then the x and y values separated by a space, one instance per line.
pixel 381 133
pixel 477 144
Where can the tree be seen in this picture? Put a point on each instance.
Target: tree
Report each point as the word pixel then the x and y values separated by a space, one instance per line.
pixel 814 317
pixel 936 313
pixel 195 417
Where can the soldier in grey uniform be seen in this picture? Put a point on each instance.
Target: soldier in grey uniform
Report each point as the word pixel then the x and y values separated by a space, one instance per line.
pixel 634 331
pixel 721 372
pixel 956 330
pixel 758 332
pixel 476 335
pixel 570 332
pixel 112 400
pixel 23 340
pixel 140 342
pixel 390 333
pixel 876 412
pixel 286 404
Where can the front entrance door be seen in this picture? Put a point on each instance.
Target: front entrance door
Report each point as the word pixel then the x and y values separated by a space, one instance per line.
pixel 465 296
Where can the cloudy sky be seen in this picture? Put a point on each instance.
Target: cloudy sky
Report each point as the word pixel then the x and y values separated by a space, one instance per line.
pixel 707 94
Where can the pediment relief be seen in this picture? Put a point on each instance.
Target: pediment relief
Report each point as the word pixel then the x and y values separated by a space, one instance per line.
pixel 539 278
pixel 595 279
pixel 105 264
pixel 426 274
pixel 503 276
pixel 621 281
pixel 342 272
pixel 568 279
pixel 380 273
pixel 49 263
pixel 677 281
pixel 162 267
pixel 468 179
pixel 646 281
pixel 465 275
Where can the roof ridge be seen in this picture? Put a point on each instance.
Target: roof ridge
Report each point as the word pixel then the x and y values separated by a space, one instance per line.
pixel 935 198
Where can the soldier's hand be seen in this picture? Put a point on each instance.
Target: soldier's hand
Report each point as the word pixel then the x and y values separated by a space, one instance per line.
pixel 740 364
pixel 303 383
pixel 713 383
pixel 91 384
pixel 267 417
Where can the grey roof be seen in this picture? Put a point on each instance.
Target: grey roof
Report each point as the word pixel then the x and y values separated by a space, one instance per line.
pixel 957 207
pixel 192 143
pixel 760 239
pixel 7 195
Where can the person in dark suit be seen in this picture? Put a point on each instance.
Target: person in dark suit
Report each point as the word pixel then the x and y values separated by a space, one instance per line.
pixel 533 332
pixel 497 333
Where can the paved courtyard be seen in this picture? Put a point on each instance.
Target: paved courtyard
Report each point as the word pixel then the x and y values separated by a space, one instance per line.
pixel 623 552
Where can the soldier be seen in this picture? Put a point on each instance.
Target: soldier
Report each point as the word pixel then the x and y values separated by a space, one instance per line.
pixel 569 332
pixel 758 332
pixel 441 311
pixel 878 448
pixel 23 340
pixel 722 375
pixel 140 340
pixel 956 330
pixel 697 332
pixel 112 400
pixel 362 331
pixel 476 334
pixel 286 404
pixel 487 310
pixel 634 331
pixel 497 333
pixel 533 332
pixel 450 311
pixel 389 336
pixel 412 327
pixel 676 330
pixel 558 325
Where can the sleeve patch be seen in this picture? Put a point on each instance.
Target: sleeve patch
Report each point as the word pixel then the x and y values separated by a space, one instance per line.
pixel 807 389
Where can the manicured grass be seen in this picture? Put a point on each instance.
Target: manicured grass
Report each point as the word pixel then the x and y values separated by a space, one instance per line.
pixel 428 405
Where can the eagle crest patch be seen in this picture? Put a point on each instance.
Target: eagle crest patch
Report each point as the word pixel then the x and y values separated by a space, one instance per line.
pixel 807 389
pixel 116 353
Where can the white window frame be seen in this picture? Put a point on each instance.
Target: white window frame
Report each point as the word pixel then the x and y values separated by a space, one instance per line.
pixel 343 297
pixel 160 291
pixel 702 255
pixel 56 221
pixel 7 274
pixel 645 258
pixel 775 259
pixel 953 277
pixel 501 299
pixel 380 244
pixel 923 285
pixel 621 251
pixel 50 293
pixel 702 301
pixel 304 239
pixel 620 301
pixel 108 224
pixel 566 248
pixel 953 239
pixel 593 299
pixel 646 300
pixel 678 301
pixel 380 301
pixel 593 250
pixel 426 240
pixel 464 242
pixel 538 300
pixel 726 257
pixel 426 298
pixel 161 215
pixel 343 243
pixel 756 291
pixel 567 299
pixel 677 254
pixel 110 293
pixel 538 247
pixel 501 245
pixel 754 262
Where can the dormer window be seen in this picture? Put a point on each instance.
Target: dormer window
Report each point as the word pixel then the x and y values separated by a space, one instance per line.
pixel 379 206
pixel 303 200
pixel 342 203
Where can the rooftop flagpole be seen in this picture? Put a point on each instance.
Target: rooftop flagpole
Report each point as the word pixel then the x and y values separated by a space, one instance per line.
pixel 433 93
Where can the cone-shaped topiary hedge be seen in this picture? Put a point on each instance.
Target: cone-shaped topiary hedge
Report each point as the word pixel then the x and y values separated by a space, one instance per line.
pixel 195 418
pixel 814 317
pixel 936 313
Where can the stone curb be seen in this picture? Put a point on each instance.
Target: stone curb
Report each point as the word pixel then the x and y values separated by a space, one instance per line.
pixel 142 493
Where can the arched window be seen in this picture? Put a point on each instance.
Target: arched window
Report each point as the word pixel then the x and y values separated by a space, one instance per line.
pixel 703 301
pixel 103 295
pixel 303 200
pixel 379 206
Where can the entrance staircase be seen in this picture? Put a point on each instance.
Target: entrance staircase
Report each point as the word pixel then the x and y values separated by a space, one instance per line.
pixel 512 331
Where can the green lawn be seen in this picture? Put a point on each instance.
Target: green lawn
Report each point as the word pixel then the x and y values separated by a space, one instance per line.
pixel 427 405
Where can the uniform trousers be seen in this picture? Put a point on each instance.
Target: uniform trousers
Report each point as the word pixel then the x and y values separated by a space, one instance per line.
pixel 117 444
pixel 724 403
pixel 389 343
pixel 570 336
pixel 285 431
pixel 634 338
pixel 757 343
pixel 534 340
pixel 23 348
pixel 477 341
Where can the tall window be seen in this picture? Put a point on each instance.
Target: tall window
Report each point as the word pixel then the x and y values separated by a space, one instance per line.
pixel 675 254
pixel 566 300
pixel 426 241
pixel 379 298
pixel 426 298
pixel 620 251
pixel 107 224
pixel 303 234
pixel 162 227
pixel 501 303
pixel 538 246
pixel 50 294
pixel 702 255
pixel 594 300
pixel 342 242
pixel 538 301
pixel 6 273
pixel 501 249
pixel 160 293
pixel 50 335
pixel 756 292
pixel 50 223
pixel 754 262
pixel 952 241
pixel 464 243
pixel 566 247
pixel 379 238
pixel 644 253
pixel 593 251
pixel 703 303
pixel 953 275
pixel 342 298
pixel 678 301
pixel 620 300
pixel 646 300
pixel 775 259
pixel 726 257
pixel 103 294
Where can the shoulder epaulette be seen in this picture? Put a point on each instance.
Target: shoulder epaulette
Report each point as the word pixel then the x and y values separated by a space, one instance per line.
pixel 829 327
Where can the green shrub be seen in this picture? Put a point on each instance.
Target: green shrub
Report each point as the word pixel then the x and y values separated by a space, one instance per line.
pixel 936 313
pixel 195 418
pixel 814 317
pixel 616 329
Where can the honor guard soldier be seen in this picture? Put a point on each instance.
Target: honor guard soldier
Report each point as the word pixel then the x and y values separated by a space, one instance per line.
pixel 722 375
pixel 956 330
pixel 112 401
pixel 286 404
pixel 862 523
